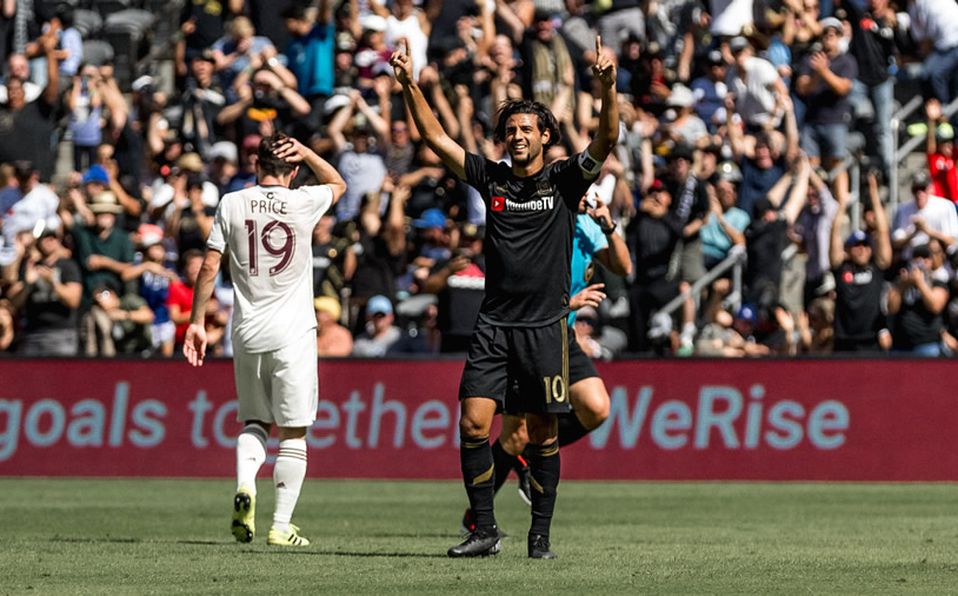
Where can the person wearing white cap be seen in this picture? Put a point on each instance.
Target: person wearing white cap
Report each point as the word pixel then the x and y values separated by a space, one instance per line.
pixel 726 223
pixel 824 82
pixel 756 85
pixel 686 127
pixel 47 294
pixel 224 163
pixel 373 55
pixel 710 89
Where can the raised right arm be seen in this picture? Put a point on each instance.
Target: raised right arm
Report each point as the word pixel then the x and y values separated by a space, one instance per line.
pixel 452 155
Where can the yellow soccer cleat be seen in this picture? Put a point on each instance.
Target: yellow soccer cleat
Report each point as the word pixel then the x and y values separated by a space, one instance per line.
pixel 290 538
pixel 244 515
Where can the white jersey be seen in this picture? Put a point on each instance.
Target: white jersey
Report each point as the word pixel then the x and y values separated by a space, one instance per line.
pixel 269 232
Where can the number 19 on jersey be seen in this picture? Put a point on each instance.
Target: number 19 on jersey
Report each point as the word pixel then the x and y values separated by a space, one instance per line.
pixel 284 251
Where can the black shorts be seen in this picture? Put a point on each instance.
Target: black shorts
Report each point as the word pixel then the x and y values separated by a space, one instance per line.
pixel 536 359
pixel 580 367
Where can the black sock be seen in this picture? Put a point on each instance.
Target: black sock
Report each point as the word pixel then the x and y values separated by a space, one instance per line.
pixel 544 465
pixel 570 429
pixel 504 464
pixel 478 474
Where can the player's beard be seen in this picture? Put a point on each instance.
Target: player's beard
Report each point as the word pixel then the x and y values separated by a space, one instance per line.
pixel 533 150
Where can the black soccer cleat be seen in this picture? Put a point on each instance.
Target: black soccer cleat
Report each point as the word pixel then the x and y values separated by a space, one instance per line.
pixel 478 544
pixel 539 547
pixel 468 524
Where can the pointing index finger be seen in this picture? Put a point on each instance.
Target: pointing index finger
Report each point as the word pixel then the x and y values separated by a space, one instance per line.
pixel 598 45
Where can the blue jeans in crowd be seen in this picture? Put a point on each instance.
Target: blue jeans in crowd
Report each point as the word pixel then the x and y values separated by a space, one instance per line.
pixel 826 141
pixel 941 72
pixel 882 98
pixel 930 350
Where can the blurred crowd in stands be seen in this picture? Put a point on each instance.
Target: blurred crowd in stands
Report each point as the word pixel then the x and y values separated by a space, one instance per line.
pixel 749 233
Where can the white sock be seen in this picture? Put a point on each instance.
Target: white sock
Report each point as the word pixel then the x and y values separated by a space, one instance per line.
pixel 250 455
pixel 288 475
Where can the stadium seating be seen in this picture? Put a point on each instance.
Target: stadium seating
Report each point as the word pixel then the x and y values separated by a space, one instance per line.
pixel 128 32
pixel 88 23
pixel 97 52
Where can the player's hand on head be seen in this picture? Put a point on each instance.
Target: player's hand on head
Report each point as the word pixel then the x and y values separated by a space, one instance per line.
pixel 290 150
pixel 194 346
pixel 589 296
pixel 402 64
pixel 604 67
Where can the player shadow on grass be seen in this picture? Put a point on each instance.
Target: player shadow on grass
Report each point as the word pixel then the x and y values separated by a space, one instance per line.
pixel 345 553
pixel 305 551
pixel 326 553
pixel 81 539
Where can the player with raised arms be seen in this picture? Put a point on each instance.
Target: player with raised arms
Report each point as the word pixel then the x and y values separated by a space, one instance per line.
pixel 595 240
pixel 521 332
pixel 267 230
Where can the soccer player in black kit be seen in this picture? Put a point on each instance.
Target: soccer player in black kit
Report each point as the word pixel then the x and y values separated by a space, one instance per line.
pixel 522 332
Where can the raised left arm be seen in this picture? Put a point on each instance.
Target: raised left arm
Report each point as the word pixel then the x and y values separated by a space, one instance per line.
pixel 607 134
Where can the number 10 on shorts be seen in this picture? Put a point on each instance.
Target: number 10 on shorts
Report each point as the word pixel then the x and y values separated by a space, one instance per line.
pixel 555 389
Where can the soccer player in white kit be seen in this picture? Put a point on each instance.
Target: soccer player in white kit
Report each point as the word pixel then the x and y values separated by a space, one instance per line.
pixel 267 232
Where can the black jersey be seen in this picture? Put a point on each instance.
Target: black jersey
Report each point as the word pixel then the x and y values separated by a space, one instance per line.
pixel 858 290
pixel 529 227
pixel 914 324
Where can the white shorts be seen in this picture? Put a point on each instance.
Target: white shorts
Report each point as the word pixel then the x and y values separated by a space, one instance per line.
pixel 280 387
pixel 163 333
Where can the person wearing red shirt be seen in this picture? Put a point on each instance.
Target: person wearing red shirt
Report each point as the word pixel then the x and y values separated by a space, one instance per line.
pixel 180 299
pixel 941 153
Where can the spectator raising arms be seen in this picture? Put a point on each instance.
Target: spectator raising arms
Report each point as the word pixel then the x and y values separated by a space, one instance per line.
pixel 858 266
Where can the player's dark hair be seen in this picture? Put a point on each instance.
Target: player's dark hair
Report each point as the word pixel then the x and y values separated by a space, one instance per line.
pixel 269 164
pixel 546 120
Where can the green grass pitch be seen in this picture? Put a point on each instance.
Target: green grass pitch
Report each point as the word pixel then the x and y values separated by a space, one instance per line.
pixel 76 536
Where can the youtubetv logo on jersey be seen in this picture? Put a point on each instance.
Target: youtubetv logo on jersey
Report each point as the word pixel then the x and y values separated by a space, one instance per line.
pixel 546 203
